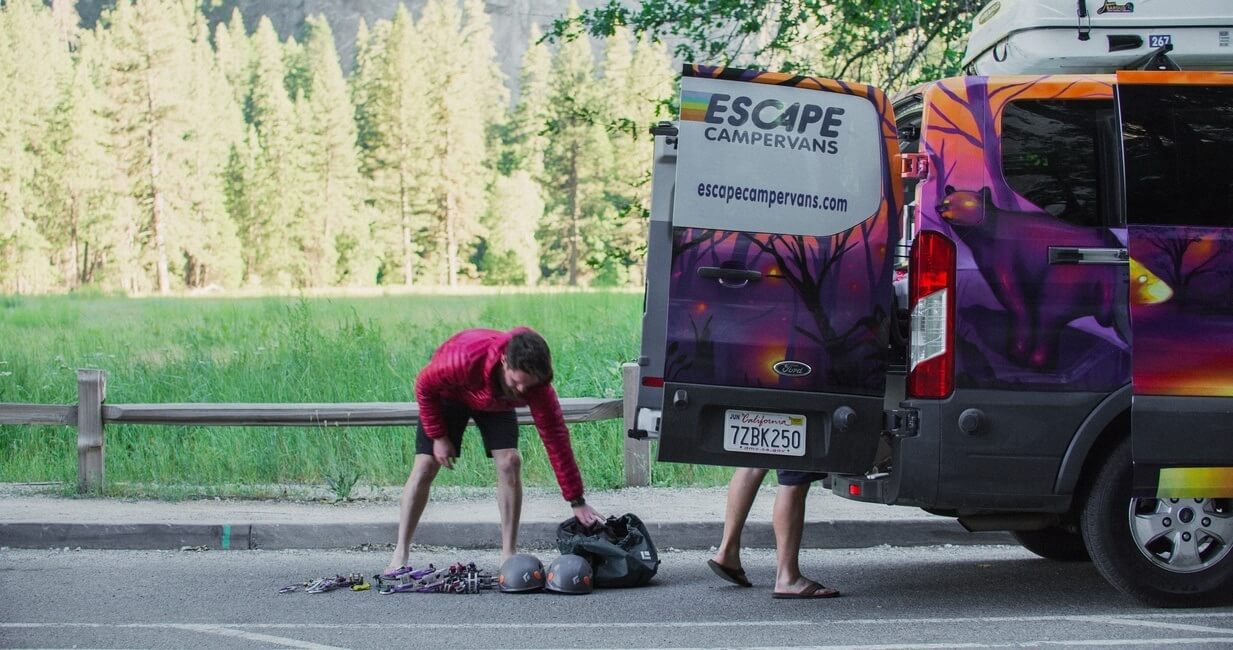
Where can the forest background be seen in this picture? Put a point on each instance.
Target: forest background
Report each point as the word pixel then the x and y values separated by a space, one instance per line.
pixel 189 153
pixel 166 149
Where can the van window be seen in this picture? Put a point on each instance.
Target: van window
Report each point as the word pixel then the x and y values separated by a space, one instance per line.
pixel 1179 149
pixel 1056 153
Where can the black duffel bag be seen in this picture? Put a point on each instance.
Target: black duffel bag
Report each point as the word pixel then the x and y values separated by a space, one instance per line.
pixel 620 551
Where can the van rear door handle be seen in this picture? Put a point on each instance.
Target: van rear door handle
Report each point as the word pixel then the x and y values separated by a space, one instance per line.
pixel 735 275
pixel 1068 255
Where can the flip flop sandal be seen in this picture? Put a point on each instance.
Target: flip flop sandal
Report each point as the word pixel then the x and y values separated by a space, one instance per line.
pixel 814 590
pixel 735 576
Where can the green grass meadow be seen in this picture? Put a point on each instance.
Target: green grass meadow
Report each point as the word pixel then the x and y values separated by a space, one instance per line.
pixel 285 349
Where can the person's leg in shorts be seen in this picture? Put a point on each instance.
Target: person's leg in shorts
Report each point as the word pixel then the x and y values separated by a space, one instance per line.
pixel 742 489
pixel 419 482
pixel 500 432
pixel 788 520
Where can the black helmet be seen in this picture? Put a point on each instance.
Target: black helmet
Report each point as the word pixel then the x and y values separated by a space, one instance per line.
pixel 569 574
pixel 521 572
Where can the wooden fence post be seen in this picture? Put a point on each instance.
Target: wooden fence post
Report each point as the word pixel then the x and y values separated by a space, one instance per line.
pixel 637 452
pixel 91 393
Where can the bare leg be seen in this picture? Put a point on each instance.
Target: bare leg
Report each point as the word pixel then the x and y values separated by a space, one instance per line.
pixel 789 522
pixel 414 498
pixel 742 490
pixel 509 497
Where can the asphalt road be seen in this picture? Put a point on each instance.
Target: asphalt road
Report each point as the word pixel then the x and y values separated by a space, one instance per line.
pixel 937 597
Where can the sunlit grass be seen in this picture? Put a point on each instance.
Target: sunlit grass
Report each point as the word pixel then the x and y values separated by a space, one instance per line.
pixel 272 349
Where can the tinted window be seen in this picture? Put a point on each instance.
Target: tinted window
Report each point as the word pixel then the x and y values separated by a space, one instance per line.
pixel 1055 154
pixel 1179 149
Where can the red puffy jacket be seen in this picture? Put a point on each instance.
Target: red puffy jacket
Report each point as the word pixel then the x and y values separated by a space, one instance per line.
pixel 464 370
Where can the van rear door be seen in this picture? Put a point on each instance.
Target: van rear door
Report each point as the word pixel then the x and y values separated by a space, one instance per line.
pixel 1177 138
pixel 779 291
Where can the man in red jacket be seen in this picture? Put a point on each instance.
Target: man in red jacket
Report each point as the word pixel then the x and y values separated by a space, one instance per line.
pixel 483 375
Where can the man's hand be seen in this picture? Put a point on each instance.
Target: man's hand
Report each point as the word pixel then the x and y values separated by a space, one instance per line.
pixel 443 452
pixel 587 515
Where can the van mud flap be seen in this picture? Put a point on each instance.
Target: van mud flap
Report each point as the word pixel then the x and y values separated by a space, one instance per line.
pixel 840 432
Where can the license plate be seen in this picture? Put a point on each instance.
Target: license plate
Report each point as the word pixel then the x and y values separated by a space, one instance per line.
pixel 758 432
pixel 1159 40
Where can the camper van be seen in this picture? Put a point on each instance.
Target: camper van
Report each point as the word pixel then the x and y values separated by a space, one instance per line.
pixel 1061 363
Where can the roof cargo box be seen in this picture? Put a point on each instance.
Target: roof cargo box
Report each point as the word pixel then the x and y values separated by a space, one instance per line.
pixel 1093 36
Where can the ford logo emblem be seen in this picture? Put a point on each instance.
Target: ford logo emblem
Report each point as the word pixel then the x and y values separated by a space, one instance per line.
pixel 792 368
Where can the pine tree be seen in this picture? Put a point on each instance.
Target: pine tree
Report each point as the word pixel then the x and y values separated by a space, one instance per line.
pixel 72 180
pixel 364 84
pixel 295 61
pixel 333 183
pixel 148 54
pixel 511 254
pixel 400 157
pixel 525 137
pixel 233 53
pixel 467 98
pixel 637 86
pixel 211 246
pixel 34 61
pixel 275 252
pixel 575 165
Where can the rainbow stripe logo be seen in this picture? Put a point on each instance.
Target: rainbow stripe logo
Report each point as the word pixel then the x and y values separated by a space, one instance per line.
pixel 693 105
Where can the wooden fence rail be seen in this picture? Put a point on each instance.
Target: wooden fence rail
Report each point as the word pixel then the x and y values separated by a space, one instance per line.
pixel 91 414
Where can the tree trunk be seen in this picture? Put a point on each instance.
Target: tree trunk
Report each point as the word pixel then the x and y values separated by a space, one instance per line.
pixel 157 216
pixel 451 237
pixel 78 263
pixel 408 264
pixel 573 216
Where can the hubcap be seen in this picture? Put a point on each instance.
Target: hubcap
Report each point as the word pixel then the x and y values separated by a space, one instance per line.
pixel 1182 535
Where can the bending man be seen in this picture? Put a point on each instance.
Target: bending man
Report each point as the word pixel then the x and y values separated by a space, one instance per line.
pixel 483 375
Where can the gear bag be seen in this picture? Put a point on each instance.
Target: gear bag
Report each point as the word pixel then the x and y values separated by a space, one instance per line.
pixel 620 551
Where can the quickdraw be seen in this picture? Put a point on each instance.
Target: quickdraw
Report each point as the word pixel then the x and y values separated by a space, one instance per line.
pixel 403 580
pixel 355 581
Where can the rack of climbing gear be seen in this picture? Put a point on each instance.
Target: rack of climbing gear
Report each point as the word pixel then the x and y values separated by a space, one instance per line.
pixel 457 578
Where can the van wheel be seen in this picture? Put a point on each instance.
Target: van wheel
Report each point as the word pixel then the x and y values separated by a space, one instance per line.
pixel 1164 552
pixel 1053 543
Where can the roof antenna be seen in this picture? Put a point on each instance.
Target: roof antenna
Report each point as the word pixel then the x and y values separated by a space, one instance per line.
pixel 1085 33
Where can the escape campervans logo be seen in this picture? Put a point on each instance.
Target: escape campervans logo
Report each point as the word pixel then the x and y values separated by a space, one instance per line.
pixel 741 119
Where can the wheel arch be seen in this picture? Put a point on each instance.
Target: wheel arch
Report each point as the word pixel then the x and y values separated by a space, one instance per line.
pixel 1100 431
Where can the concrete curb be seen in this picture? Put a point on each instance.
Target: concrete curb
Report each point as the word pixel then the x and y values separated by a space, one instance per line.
pixel 469 535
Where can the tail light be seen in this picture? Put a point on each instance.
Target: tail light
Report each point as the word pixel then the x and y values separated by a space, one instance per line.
pixel 931 293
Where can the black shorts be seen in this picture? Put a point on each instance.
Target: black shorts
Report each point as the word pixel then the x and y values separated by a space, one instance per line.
pixel 793 477
pixel 498 428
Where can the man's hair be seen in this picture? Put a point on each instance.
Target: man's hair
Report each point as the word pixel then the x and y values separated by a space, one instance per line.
pixel 528 352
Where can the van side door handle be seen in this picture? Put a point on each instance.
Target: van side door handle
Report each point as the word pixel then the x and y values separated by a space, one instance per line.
pixel 1069 255
pixel 734 275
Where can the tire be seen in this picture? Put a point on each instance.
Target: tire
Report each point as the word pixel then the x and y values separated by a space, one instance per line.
pixel 1054 543
pixel 1179 566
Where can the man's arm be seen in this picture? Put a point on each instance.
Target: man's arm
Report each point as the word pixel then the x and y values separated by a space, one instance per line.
pixel 432 382
pixel 546 411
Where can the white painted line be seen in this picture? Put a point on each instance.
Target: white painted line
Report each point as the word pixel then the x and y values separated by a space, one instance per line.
pixel 253 636
pixel 1023 619
pixel 932 646
pixel 421 626
pixel 1109 620
pixel 1113 619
